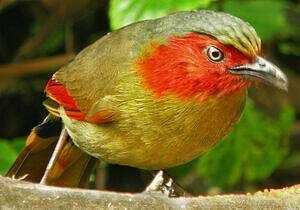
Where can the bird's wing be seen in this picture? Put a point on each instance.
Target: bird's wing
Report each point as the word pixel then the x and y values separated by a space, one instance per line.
pixel 81 85
pixel 59 96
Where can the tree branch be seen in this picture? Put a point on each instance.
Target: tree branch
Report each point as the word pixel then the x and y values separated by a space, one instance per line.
pixel 34 66
pixel 20 195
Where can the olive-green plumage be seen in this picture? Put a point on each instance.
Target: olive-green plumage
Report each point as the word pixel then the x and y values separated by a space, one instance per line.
pixel 150 133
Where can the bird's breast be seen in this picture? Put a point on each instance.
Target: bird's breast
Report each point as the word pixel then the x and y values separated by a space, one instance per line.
pixel 158 133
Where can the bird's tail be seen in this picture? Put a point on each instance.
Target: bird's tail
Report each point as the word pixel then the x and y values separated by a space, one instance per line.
pixel 71 168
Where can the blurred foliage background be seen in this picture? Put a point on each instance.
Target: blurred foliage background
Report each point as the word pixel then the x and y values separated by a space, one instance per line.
pixel 38 36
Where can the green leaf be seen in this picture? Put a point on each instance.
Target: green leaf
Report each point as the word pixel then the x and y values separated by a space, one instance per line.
pixel 289 48
pixel 124 12
pixel 252 151
pixel 54 42
pixel 266 16
pixel 7 156
pixel 18 144
pixel 9 153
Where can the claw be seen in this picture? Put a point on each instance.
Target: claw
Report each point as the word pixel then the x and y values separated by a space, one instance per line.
pixel 156 183
pixel 165 184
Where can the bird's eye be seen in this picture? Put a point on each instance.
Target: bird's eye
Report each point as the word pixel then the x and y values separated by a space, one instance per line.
pixel 214 54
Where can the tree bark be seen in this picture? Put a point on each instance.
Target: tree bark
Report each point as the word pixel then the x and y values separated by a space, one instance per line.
pixel 23 195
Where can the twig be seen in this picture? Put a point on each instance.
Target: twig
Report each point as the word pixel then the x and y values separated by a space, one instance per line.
pixel 69 37
pixel 34 66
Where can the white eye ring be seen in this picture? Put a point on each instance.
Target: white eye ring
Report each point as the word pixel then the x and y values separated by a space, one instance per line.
pixel 214 54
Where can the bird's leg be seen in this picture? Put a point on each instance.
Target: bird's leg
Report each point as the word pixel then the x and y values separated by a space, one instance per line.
pixel 61 142
pixel 164 183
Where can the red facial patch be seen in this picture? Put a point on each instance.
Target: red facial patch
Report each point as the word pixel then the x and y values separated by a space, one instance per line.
pixel 182 69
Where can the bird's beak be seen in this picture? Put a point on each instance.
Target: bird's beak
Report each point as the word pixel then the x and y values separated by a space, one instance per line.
pixel 264 71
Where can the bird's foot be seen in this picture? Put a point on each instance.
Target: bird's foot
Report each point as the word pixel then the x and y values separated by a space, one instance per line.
pixel 166 185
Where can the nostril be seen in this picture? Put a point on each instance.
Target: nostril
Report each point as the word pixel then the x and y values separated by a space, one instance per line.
pixel 262 65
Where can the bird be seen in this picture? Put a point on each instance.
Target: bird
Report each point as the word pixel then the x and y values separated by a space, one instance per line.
pixel 152 95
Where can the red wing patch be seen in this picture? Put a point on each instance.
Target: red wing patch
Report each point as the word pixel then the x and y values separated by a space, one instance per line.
pixel 59 93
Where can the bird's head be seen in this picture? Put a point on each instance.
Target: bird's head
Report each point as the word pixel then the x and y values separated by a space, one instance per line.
pixel 217 54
